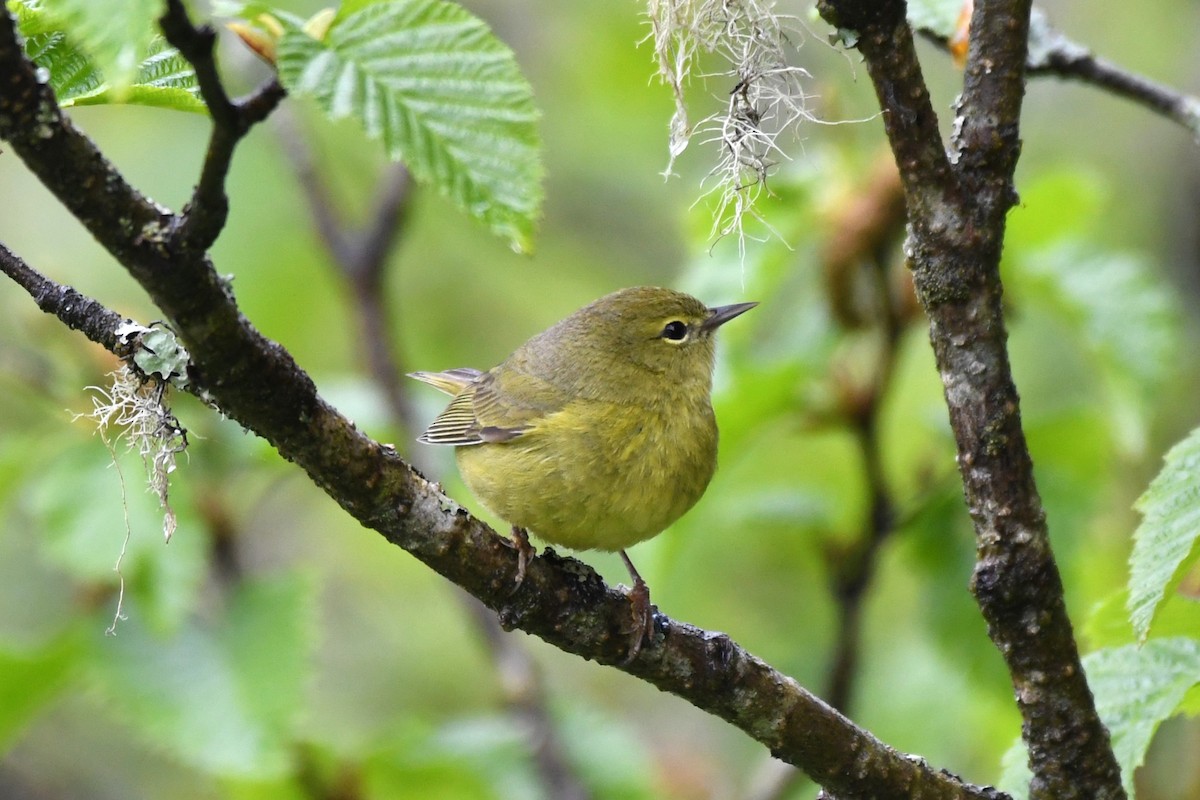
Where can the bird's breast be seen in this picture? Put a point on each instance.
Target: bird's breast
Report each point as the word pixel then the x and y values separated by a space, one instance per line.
pixel 598 474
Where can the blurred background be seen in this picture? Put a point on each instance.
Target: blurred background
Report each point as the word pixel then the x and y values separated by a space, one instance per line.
pixel 274 649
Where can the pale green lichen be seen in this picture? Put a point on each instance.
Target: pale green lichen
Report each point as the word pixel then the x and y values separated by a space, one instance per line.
pixel 766 97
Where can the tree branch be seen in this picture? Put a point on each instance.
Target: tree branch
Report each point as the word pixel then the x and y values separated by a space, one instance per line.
pixel 256 382
pixel 1053 54
pixel 204 217
pixel 567 604
pixel 956 229
pixel 77 311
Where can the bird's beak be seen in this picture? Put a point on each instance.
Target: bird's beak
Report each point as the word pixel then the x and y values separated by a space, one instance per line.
pixel 721 314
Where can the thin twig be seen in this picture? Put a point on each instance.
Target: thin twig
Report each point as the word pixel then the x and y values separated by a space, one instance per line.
pixel 1052 54
pixel 205 215
pixel 855 569
pixel 75 310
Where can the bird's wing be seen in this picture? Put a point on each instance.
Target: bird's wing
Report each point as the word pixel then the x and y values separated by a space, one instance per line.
pixel 478 414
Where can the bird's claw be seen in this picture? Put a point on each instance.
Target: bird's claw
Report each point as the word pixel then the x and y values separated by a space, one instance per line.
pixel 642 617
pixel 525 553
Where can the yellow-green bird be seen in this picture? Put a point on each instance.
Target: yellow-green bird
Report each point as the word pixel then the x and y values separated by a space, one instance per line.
pixel 598 432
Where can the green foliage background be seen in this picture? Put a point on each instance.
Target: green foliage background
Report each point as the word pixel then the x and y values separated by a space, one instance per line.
pixel 275 650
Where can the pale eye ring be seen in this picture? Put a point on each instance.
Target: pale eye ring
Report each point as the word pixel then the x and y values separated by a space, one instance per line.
pixel 675 331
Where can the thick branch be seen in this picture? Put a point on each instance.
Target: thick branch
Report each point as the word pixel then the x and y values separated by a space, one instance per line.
pixel 956 227
pixel 561 600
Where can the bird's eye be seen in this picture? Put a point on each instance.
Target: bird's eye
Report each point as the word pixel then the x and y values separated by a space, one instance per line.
pixel 675 331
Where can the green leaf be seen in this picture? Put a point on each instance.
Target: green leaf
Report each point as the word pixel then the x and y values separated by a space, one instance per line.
pixel 81 513
pixel 1136 688
pixel 162 78
pixel 1124 319
pixel 1165 544
pixel 225 698
pixel 116 34
pixel 480 758
pixel 443 94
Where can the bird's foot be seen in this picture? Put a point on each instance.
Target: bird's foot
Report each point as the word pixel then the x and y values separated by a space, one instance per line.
pixel 642 612
pixel 525 552
pixel 642 619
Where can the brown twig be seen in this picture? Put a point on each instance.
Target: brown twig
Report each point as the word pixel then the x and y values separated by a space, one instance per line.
pixel 854 569
pixel 956 222
pixel 204 217
pixel 1054 55
pixel 78 312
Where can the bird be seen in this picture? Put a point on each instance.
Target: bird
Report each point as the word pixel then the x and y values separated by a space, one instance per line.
pixel 595 434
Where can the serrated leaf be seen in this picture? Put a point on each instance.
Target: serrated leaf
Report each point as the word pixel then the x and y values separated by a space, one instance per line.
pixel 1124 318
pixel 1165 545
pixel 443 94
pixel 1136 688
pixel 162 79
pixel 32 19
pixel 224 698
pixel 1107 625
pixel 116 34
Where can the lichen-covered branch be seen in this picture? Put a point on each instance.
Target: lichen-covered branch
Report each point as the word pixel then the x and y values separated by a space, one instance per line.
pixel 957 211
